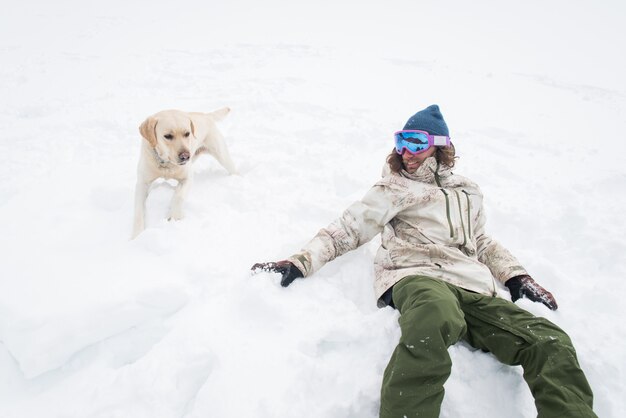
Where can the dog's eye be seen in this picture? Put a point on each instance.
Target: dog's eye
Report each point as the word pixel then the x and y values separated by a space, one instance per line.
pixel 186 134
pixel 169 136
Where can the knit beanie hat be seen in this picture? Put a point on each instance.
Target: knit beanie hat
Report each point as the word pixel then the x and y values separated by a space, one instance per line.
pixel 429 120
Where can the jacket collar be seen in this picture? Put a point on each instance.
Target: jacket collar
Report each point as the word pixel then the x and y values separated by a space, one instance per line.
pixel 430 171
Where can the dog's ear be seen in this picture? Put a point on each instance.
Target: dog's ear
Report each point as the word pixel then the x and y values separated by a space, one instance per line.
pixel 148 130
pixel 220 113
pixel 193 128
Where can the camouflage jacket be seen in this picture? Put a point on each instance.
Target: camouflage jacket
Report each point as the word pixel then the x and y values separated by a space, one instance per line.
pixel 431 222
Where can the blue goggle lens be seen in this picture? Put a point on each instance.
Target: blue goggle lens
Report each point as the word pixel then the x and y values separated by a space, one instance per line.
pixel 414 142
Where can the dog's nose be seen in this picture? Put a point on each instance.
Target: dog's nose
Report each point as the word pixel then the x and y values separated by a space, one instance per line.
pixel 183 157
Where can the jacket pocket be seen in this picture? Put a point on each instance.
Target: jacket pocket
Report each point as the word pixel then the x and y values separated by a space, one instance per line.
pixel 419 255
pixel 462 217
pixel 448 216
pixel 469 214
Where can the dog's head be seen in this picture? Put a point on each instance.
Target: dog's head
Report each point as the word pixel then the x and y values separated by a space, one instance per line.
pixel 172 135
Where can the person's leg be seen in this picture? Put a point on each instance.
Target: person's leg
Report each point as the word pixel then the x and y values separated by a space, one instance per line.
pixel 546 353
pixel 431 321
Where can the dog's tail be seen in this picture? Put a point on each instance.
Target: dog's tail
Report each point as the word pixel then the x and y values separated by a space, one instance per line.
pixel 220 114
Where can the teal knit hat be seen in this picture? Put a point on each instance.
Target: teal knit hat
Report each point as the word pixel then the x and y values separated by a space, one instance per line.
pixel 429 120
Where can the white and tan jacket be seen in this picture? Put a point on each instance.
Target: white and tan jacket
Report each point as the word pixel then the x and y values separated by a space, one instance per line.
pixel 432 224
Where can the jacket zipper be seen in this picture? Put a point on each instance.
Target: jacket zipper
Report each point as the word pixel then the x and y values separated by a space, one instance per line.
pixel 458 199
pixel 445 193
pixel 494 292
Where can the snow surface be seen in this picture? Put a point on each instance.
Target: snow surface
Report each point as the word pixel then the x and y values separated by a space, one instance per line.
pixel 172 324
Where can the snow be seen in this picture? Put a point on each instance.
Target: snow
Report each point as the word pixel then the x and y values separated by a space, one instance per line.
pixel 172 324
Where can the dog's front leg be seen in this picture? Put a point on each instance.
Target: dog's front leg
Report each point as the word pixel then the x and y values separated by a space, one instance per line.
pixel 141 194
pixel 176 209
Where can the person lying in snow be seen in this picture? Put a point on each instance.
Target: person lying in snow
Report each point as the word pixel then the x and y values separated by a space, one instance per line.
pixel 437 266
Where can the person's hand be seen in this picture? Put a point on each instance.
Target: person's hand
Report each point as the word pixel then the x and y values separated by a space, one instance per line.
pixel 525 286
pixel 284 267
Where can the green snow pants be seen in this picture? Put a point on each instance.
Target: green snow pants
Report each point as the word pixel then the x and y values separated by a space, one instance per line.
pixel 435 315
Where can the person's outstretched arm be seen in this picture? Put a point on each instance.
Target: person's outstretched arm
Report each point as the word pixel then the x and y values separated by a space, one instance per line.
pixel 358 224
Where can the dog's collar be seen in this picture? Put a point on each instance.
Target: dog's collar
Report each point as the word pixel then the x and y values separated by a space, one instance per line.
pixel 158 158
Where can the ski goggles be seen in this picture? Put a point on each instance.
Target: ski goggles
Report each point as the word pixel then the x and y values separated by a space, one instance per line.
pixel 417 142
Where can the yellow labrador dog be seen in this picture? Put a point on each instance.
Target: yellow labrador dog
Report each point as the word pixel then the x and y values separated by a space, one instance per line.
pixel 172 140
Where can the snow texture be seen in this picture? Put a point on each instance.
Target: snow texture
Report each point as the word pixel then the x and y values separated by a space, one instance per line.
pixel 172 324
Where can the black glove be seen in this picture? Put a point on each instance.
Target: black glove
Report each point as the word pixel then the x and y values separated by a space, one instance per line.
pixel 525 286
pixel 284 267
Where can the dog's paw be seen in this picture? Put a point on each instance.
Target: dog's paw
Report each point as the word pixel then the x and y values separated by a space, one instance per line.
pixel 175 216
pixel 137 229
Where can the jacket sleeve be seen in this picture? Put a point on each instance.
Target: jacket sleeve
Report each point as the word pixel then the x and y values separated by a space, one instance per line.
pixel 502 264
pixel 358 224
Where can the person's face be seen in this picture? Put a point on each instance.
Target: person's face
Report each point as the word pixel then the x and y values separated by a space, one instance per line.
pixel 413 161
